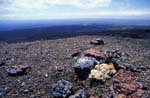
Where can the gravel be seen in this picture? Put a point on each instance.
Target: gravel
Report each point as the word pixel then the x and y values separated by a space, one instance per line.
pixel 50 63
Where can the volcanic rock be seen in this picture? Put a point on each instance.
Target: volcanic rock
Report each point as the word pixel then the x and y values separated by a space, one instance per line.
pixel 97 41
pixel 78 94
pixel 117 53
pixel 94 53
pixel 108 53
pixel 115 56
pixel 61 89
pixel 102 72
pixel 125 84
pixel 123 65
pixel 84 65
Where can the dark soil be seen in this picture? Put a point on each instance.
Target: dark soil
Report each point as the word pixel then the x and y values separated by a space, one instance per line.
pixel 51 61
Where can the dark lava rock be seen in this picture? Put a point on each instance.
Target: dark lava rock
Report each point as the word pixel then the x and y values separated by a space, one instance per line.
pixel 114 56
pixel 61 89
pixel 97 41
pixel 78 94
pixel 117 53
pixel 108 53
pixel 83 66
pixel 124 84
pixel 123 65
pixel 94 53
pixel 17 70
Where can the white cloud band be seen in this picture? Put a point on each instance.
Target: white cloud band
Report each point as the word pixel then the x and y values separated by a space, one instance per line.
pixel 67 15
pixel 43 4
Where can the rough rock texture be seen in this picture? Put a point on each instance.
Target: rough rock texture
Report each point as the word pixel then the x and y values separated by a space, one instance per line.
pixel 17 70
pixel 94 53
pixel 102 72
pixel 97 41
pixel 61 89
pixel 83 66
pixel 124 65
pixel 125 84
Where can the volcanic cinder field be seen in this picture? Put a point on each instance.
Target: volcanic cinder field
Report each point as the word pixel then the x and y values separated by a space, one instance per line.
pixel 51 61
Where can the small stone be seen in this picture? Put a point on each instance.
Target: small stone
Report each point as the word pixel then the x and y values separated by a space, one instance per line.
pixel 83 66
pixel 46 75
pixel 17 70
pixel 2 61
pixel 32 96
pixel 25 91
pixel 78 94
pixel 107 52
pixel 94 53
pixel 97 41
pixel 1 94
pixel 23 84
pixel 117 53
pixel 61 89
pixel 14 71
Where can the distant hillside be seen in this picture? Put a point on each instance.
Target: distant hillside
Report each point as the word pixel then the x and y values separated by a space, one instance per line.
pixel 54 32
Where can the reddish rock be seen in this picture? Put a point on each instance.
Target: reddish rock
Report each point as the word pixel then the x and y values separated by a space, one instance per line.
pixel 137 94
pixel 125 83
pixel 94 53
pixel 93 96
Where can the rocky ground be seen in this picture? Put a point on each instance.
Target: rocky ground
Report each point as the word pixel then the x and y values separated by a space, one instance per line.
pixel 51 61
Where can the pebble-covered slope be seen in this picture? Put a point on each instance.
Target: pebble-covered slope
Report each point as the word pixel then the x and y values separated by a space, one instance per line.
pixel 51 61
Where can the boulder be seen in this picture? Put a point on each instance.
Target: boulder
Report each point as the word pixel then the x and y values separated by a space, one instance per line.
pixel 78 94
pixel 83 66
pixel 124 84
pixel 94 53
pixel 17 70
pixel 97 41
pixel 61 89
pixel 102 72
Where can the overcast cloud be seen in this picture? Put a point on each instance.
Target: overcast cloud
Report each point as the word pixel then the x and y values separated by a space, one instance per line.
pixel 50 9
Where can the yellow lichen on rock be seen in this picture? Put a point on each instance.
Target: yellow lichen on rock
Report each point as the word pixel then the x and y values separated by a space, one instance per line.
pixel 102 72
pixel 121 96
